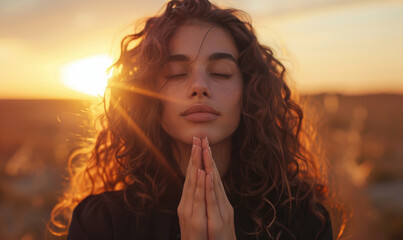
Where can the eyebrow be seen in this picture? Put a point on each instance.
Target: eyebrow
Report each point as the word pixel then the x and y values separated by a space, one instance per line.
pixel 212 57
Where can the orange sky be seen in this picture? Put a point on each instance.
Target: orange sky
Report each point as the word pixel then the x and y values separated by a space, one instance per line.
pixel 354 47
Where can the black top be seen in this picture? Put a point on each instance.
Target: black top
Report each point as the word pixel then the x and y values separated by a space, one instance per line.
pixel 105 216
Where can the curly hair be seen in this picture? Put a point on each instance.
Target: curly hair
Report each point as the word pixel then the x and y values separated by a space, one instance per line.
pixel 273 166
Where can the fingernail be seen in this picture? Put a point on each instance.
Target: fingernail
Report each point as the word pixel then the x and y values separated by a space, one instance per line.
pixel 209 149
pixel 194 140
pixel 198 173
pixel 211 176
pixel 207 141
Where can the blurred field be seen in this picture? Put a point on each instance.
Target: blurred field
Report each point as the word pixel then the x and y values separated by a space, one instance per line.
pixel 362 138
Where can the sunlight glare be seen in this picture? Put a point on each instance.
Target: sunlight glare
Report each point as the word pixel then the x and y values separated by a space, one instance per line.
pixel 87 75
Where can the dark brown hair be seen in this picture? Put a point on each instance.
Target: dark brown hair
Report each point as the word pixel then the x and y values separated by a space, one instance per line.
pixel 273 169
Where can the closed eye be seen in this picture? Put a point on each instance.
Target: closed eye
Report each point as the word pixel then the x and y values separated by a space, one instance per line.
pixel 176 76
pixel 221 75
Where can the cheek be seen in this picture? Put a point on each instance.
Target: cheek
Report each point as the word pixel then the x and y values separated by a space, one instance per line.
pixel 168 107
pixel 170 121
pixel 234 109
pixel 237 102
pixel 167 116
pixel 231 97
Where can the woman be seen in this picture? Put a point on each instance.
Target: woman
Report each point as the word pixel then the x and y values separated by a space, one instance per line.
pixel 200 139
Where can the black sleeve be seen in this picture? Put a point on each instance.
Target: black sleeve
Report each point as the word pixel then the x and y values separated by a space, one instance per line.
pixel 309 226
pixel 303 224
pixel 91 220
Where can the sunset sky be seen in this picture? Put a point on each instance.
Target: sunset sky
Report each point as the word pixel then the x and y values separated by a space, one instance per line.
pixel 352 47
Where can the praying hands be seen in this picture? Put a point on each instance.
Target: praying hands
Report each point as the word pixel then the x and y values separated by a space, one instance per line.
pixel 204 210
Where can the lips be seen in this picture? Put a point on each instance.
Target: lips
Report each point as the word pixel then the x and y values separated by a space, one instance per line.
pixel 200 113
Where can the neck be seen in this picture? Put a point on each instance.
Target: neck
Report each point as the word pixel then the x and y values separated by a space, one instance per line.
pixel 221 154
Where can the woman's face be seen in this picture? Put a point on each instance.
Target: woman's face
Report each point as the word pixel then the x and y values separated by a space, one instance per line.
pixel 204 83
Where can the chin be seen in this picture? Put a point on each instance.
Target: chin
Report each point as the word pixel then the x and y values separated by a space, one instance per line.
pixel 213 136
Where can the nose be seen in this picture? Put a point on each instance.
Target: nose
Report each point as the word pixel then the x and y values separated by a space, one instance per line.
pixel 199 86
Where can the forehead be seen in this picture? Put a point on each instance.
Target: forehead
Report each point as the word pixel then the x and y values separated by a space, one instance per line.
pixel 198 39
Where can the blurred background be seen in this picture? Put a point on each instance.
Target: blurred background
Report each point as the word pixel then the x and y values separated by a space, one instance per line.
pixel 343 56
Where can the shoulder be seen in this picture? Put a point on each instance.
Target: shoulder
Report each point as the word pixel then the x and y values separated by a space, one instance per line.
pixel 302 222
pixel 94 205
pixel 314 224
pixel 93 216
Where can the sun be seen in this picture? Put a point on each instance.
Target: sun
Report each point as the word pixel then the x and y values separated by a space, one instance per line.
pixel 87 75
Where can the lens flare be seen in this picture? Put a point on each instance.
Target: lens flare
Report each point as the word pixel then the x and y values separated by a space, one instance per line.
pixel 87 75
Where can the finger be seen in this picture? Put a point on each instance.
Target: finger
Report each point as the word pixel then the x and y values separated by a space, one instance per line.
pixel 205 143
pixel 198 142
pixel 209 163
pixel 199 202
pixel 185 190
pixel 191 179
pixel 213 211
pixel 192 160
pixel 211 167
pixel 197 162
pixel 192 153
